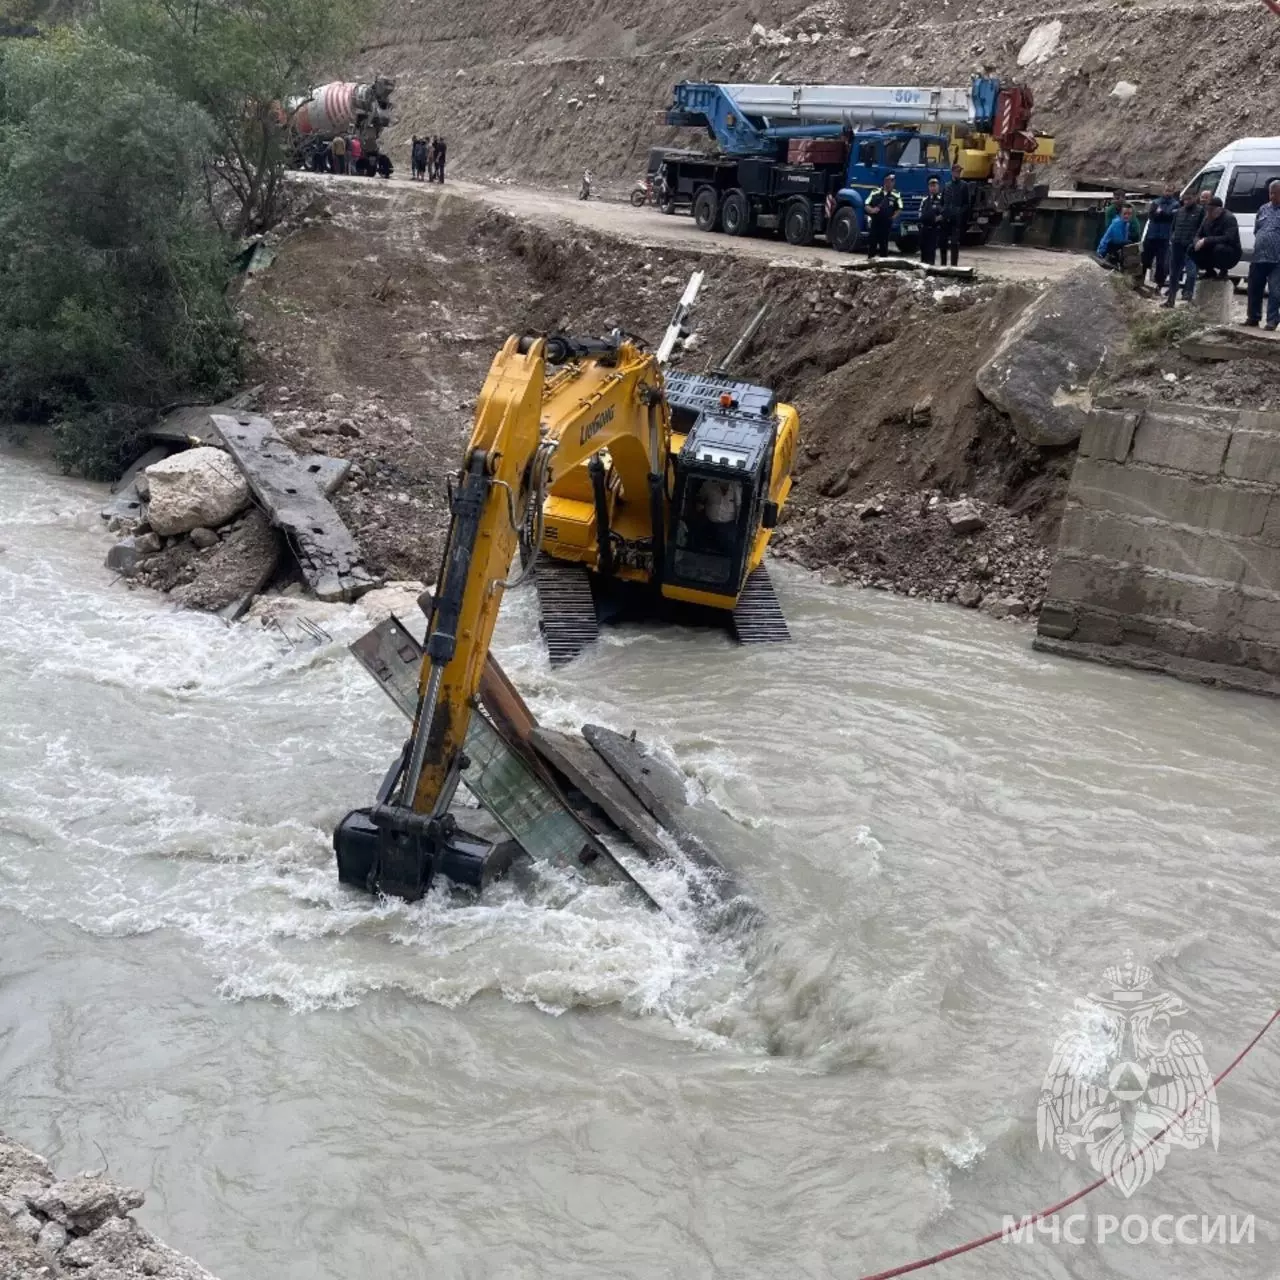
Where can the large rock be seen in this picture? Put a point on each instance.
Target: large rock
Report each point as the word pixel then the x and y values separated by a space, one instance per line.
pixel 1040 374
pixel 82 1204
pixel 194 489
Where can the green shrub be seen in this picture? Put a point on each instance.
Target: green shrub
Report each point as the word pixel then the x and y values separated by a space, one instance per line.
pixel 1160 330
pixel 113 300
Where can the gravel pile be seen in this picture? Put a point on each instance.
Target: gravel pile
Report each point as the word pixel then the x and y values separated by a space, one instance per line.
pixel 923 545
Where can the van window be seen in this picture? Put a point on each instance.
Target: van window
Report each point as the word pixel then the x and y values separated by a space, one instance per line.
pixel 1206 181
pixel 1249 189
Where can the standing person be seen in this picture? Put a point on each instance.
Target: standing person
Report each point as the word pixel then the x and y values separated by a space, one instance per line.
pixel 442 151
pixel 956 205
pixel 1203 201
pixel 931 223
pixel 1218 248
pixel 417 159
pixel 355 152
pixel 1184 232
pixel 338 155
pixel 884 206
pixel 1155 244
pixel 431 158
pixel 1119 233
pixel 1264 269
pixel 584 190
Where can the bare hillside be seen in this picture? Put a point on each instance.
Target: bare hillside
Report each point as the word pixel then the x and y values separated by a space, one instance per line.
pixel 534 92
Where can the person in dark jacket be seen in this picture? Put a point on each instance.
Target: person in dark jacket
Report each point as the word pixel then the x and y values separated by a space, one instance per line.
pixel 957 204
pixel 431 158
pixel 1264 267
pixel 1217 249
pixel 1155 243
pixel 883 209
pixel 931 223
pixel 442 149
pixel 1184 231
pixel 419 158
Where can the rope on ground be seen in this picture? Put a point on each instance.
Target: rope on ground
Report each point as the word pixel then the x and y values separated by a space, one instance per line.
pixel 993 1236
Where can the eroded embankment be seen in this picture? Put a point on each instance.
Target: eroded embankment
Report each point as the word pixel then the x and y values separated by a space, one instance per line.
pixel 375 328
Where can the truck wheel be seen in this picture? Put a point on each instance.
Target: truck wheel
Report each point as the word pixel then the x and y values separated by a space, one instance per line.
pixel 844 230
pixel 797 223
pixel 706 209
pixel 735 214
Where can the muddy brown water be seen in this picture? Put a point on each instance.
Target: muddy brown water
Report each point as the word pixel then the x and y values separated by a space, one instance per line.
pixel 951 836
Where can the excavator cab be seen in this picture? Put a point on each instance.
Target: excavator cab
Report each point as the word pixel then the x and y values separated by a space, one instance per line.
pixel 720 497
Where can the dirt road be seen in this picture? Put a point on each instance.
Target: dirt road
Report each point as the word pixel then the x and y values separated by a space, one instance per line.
pixel 649 227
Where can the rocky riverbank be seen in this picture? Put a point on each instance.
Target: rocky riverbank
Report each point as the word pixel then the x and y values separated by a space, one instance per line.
pixel 919 544
pixel 80 1226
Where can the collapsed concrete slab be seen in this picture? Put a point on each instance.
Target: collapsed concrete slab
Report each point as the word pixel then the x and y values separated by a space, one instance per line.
pixel 289 492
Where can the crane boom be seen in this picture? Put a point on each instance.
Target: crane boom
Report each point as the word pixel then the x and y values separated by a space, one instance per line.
pixel 859 104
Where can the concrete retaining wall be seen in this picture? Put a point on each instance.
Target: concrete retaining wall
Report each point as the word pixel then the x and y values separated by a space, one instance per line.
pixel 1169 558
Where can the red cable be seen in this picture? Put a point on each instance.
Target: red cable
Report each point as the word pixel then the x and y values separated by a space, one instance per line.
pixel 991 1238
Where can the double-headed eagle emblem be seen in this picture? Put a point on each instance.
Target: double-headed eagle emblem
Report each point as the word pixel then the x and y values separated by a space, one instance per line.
pixel 1131 1086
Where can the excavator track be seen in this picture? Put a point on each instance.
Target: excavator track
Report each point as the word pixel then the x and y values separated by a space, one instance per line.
pixel 758 617
pixel 566 608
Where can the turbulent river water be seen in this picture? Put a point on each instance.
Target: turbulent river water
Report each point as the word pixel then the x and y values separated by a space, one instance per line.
pixel 950 836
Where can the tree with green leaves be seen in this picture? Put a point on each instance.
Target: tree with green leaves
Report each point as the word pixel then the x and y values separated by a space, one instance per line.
pixel 113 301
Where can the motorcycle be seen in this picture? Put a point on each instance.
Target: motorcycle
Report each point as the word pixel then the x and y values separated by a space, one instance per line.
pixel 642 193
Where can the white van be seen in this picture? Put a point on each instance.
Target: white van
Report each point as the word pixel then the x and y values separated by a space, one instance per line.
pixel 1239 173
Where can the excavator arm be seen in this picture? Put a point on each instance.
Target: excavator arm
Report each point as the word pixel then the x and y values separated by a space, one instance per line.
pixel 488 498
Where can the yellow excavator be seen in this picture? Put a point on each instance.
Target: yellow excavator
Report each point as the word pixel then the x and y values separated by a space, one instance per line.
pixel 661 488
pixel 596 465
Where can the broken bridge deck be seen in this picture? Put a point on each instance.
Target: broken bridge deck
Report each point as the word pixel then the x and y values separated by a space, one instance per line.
pixel 1232 342
pixel 288 490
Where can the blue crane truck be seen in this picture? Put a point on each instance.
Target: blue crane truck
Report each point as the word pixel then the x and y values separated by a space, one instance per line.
pixel 803 159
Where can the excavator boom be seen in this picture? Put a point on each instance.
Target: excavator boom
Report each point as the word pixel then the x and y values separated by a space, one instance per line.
pixel 415 831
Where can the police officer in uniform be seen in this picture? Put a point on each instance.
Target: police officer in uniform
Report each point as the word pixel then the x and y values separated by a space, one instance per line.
pixel 884 206
pixel 931 223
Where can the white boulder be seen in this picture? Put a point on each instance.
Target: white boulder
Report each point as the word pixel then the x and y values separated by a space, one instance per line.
pixel 1041 44
pixel 200 488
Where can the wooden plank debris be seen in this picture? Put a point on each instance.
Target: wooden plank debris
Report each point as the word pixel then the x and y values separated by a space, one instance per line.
pixel 1233 343
pixel 326 552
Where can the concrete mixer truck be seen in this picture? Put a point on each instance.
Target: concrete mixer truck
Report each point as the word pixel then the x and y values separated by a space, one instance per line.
pixel 342 109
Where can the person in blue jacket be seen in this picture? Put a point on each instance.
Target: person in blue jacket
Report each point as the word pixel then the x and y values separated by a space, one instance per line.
pixel 1115 237
pixel 1155 244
